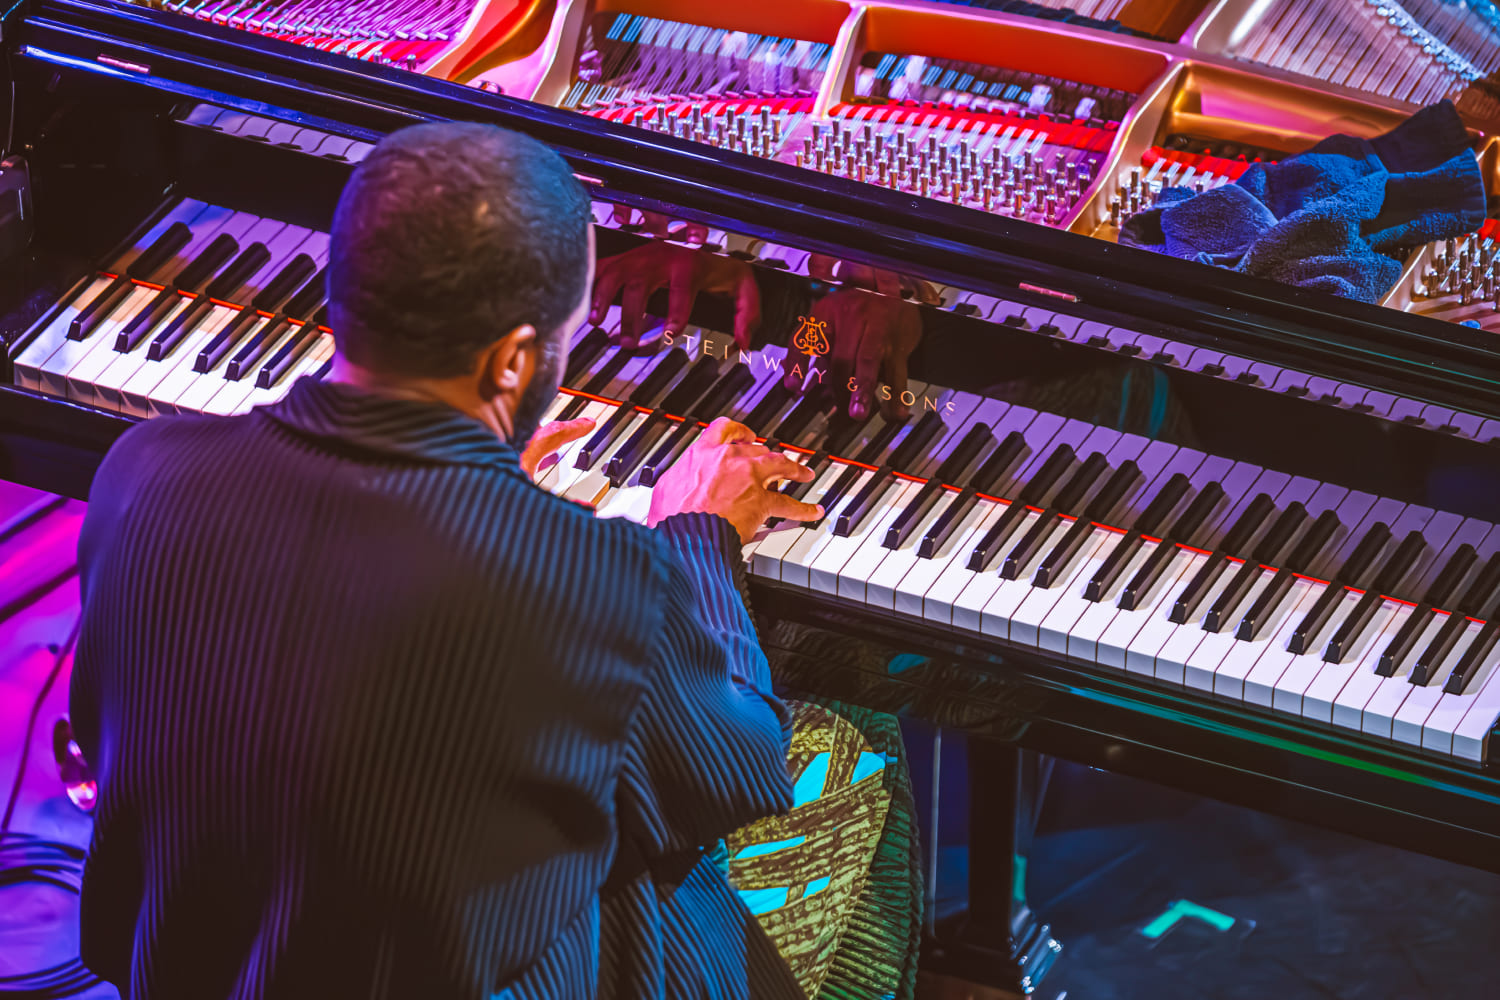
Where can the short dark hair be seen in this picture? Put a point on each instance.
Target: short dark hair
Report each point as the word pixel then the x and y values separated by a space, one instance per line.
pixel 447 237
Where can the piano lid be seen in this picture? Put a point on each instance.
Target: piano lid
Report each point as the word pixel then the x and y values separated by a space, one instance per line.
pixel 1397 352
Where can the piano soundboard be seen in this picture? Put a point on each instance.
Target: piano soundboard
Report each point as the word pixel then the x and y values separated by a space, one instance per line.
pixel 1072 117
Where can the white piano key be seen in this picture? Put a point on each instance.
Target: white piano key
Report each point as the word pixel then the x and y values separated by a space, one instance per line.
pixel 1362 681
pixel 1410 723
pixel 779 540
pixel 201 391
pixel 1471 737
pixel 851 577
pixel 53 337
pixel 1246 654
pixel 1449 712
pixel 1051 623
pixel 83 377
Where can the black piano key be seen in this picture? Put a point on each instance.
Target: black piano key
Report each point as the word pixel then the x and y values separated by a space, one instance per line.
pixel 733 384
pixel 226 340
pixel 1236 541
pixel 1352 574
pixel 794 423
pixel 1067 501
pixel 905 456
pixel 267 300
pixel 645 393
pixel 230 283
pixel 1267 552
pixel 308 300
pixel 971 446
pixel 256 348
pixel 287 355
pixel 987 480
pixel 681 399
pixel 585 354
pixel 1307 551
pixel 1474 657
pixel 192 279
pixel 1390 575
pixel 143 268
pixel 1036 488
pixel 1185 529
pixel 1165 501
pixel 225 287
pixel 290 278
pixel 1484 590
pixel 1099 509
pixel 596 384
pixel 870 454
pixel 1442 593
pixel 323 370
pixel 772 403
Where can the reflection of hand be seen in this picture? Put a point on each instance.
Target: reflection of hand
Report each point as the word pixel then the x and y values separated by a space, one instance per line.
pixel 550 438
pixel 726 472
pixel 685 273
pixel 853 275
pixel 871 336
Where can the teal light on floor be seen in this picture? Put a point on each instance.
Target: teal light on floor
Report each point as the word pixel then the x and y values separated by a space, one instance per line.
pixel 1182 908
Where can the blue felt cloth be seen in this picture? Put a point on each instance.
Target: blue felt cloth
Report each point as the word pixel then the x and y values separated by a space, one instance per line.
pixel 1336 218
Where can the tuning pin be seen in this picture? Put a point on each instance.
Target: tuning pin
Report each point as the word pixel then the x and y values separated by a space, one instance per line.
pixel 1114 211
pixel 989 200
pixel 1466 291
pixel 956 193
pixel 883 174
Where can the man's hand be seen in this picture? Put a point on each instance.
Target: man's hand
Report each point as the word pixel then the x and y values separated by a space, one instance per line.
pixel 872 331
pixel 871 336
pixel 726 472
pixel 685 273
pixel 548 439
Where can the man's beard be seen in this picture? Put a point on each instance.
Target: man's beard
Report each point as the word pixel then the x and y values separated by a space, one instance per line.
pixel 539 394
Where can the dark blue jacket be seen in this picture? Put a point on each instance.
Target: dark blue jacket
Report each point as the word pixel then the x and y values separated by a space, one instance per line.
pixel 370 713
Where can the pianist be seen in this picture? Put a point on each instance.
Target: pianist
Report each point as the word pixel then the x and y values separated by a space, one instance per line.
pixel 370 713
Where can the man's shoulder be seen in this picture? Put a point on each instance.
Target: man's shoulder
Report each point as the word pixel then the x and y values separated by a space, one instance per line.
pixel 159 439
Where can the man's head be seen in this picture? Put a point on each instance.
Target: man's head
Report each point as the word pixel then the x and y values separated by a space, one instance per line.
pixel 460 261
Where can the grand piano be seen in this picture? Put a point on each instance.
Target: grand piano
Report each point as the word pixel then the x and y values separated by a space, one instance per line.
pixel 1083 501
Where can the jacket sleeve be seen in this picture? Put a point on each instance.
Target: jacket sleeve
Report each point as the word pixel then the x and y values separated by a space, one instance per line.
pixel 708 746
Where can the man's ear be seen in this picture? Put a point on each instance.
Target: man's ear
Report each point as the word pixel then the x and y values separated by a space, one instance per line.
pixel 508 364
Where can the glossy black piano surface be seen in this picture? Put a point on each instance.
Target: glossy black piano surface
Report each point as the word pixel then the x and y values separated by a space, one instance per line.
pixel 1093 453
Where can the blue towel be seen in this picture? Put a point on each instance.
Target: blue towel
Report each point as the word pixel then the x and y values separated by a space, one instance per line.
pixel 1336 218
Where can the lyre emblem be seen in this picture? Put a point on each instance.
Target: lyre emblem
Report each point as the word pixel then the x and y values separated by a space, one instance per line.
pixel 812 336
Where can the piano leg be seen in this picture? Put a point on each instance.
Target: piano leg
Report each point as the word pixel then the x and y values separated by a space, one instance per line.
pixel 999 941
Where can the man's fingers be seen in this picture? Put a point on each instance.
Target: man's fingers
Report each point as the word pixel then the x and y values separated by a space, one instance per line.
pixel 781 505
pixel 775 467
pixel 726 431
pixel 681 296
pixel 867 355
pixel 552 437
pixel 746 310
pixel 607 280
pixel 632 313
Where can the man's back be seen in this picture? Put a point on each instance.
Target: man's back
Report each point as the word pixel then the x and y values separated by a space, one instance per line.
pixel 358 693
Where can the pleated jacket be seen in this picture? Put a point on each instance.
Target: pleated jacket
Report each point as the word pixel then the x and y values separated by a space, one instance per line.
pixel 371 713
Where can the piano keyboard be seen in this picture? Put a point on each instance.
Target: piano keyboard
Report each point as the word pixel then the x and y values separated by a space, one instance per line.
pixel 213 311
pixel 1303 598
